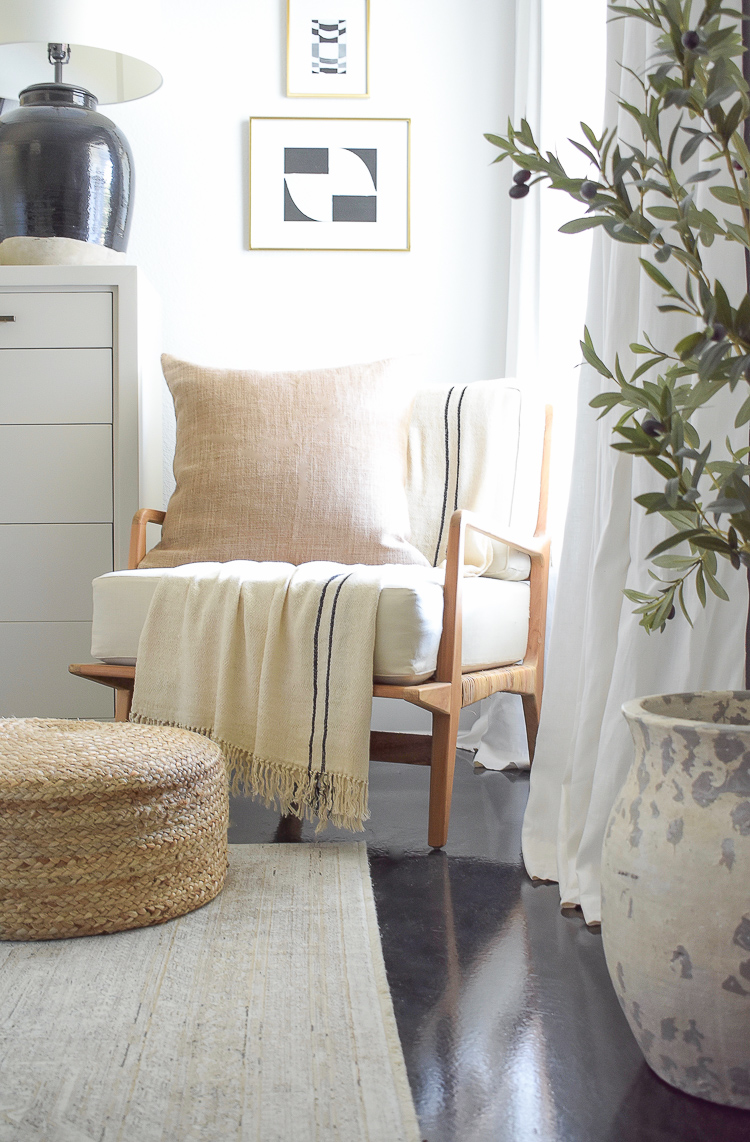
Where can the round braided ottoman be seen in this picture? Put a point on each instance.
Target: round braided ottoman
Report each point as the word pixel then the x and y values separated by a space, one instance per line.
pixel 106 826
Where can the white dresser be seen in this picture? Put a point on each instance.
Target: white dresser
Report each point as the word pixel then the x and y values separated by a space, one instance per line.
pixel 80 451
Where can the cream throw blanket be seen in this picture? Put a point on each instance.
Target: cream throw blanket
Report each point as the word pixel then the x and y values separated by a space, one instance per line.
pixel 274 663
pixel 463 452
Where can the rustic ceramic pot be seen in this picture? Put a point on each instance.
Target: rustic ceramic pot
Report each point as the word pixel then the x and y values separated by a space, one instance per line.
pixel 676 891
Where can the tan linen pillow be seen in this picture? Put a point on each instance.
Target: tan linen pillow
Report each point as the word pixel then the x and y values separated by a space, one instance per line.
pixel 288 466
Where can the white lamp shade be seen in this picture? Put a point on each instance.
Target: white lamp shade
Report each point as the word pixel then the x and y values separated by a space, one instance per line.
pixel 111 45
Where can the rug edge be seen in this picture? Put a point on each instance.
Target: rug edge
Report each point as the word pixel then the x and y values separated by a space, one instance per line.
pixel 390 1027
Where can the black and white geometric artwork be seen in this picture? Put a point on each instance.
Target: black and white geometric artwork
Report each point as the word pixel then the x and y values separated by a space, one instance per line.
pixel 327 52
pixel 329 47
pixel 330 184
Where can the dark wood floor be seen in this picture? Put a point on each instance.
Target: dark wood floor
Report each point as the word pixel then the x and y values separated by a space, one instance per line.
pixel 510 1026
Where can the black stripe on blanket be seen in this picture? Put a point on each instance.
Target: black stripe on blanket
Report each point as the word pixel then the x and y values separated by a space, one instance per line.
pixel 458 445
pixel 316 669
pixel 447 475
pixel 447 484
pixel 328 673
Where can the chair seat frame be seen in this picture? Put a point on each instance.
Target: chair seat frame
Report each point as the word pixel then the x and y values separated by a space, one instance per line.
pixel 449 690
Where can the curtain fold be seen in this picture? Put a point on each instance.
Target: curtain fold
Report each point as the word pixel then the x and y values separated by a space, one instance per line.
pixel 545 318
pixel 498 734
pixel 522 335
pixel 598 655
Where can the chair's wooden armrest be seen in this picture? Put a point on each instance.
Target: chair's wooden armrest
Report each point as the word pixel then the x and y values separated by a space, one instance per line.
pixel 536 546
pixel 138 534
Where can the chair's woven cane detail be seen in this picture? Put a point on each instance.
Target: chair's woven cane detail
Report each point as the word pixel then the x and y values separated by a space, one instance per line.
pixel 106 826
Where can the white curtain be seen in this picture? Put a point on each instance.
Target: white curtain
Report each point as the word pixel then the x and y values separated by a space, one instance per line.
pixel 598 655
pixel 545 321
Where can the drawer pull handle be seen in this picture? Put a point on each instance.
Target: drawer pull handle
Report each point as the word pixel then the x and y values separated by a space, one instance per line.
pixel 7 317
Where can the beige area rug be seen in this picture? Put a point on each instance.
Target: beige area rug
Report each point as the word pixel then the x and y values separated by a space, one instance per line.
pixel 263 1016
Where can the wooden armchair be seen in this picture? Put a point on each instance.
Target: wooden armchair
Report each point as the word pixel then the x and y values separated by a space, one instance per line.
pixel 449 689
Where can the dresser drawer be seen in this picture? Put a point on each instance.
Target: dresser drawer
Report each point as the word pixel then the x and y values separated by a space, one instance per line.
pixel 46 569
pixel 34 678
pixel 55 320
pixel 59 473
pixel 55 386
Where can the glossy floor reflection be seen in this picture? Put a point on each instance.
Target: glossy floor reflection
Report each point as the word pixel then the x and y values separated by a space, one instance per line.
pixel 510 1027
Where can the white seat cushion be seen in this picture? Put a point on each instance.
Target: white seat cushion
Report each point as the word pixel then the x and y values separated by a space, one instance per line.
pixel 409 622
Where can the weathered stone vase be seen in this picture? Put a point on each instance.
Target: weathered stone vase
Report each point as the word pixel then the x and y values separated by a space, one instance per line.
pixel 676 891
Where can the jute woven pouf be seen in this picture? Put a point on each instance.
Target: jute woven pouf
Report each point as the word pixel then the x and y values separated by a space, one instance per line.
pixel 106 826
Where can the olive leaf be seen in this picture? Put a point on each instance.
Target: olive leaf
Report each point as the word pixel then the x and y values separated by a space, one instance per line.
pixel 640 195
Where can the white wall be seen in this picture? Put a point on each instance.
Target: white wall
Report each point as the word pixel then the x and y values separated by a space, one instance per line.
pixel 445 64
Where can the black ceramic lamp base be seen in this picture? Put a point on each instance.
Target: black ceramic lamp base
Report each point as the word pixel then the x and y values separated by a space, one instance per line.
pixel 66 172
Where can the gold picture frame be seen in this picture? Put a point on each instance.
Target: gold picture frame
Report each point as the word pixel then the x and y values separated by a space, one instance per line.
pixel 347 71
pixel 339 183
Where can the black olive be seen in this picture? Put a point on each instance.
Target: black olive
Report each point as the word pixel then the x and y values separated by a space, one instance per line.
pixel 691 40
pixel 522 176
pixel 672 613
pixel 518 190
pixel 719 332
pixel 653 427
pixel 589 190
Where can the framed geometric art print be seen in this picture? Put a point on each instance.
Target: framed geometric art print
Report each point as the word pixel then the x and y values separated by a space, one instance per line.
pixel 329 184
pixel 327 48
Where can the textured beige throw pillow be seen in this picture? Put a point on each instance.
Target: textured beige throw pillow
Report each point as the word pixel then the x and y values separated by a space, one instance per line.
pixel 288 466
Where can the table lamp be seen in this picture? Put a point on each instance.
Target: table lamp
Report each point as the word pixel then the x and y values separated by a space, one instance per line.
pixel 66 171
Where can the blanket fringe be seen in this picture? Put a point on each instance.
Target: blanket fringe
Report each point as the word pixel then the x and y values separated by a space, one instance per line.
pixel 329 798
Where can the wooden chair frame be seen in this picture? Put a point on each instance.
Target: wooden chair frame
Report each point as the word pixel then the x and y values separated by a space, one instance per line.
pixel 449 690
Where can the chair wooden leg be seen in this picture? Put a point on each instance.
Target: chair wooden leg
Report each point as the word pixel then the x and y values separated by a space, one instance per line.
pixel 443 764
pixel 123 702
pixel 288 830
pixel 531 704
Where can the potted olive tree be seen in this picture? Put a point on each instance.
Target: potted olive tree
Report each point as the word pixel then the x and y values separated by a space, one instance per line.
pixel 675 909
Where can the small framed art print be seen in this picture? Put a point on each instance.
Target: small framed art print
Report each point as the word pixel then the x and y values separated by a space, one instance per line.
pixel 329 184
pixel 327 48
